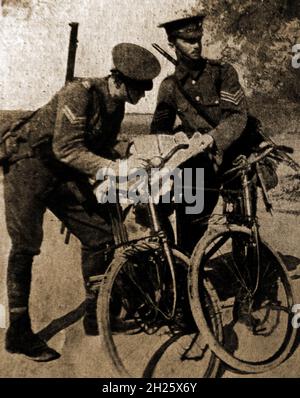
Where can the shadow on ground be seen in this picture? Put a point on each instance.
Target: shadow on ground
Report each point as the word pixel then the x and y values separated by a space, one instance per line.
pixel 61 323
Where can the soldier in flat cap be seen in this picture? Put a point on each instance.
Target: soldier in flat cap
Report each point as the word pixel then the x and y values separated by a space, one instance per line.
pixel 66 142
pixel 207 97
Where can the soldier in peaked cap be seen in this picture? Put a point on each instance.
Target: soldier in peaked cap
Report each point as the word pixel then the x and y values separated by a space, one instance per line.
pixel 184 27
pixel 137 65
pixel 62 145
pixel 208 98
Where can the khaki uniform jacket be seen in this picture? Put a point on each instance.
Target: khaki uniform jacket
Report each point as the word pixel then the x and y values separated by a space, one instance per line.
pixel 217 89
pixel 81 124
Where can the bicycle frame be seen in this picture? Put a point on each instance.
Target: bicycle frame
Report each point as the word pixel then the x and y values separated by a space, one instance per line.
pixel 252 223
pixel 246 196
pixel 123 242
pixel 161 234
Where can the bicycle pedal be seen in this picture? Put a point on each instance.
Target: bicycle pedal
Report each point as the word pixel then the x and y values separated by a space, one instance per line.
pixel 95 287
pixel 95 282
pixel 96 279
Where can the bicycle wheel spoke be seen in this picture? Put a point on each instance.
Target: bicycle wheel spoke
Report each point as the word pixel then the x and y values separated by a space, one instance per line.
pixel 143 286
pixel 254 297
pixel 238 274
pixel 216 247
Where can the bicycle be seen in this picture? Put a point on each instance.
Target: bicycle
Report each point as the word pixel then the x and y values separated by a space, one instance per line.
pixel 244 276
pixel 145 322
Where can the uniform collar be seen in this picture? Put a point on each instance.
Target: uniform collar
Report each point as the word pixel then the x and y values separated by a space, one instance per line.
pixel 109 104
pixel 186 68
pixel 103 90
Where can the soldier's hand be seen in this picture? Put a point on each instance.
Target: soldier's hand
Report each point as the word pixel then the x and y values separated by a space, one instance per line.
pixel 128 167
pixel 181 138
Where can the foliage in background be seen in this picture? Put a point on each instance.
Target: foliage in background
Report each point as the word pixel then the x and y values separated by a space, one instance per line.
pixel 258 36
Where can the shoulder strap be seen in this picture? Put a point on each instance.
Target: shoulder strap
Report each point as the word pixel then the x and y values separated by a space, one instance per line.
pixel 200 110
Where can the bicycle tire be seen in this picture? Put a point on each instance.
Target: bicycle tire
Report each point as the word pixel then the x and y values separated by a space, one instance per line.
pixel 197 279
pixel 110 348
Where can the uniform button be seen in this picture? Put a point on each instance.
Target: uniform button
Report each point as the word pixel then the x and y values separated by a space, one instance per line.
pixel 216 101
pixel 197 98
pixel 193 82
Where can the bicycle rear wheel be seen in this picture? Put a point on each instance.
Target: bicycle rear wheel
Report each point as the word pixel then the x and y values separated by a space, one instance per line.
pixel 249 282
pixel 137 292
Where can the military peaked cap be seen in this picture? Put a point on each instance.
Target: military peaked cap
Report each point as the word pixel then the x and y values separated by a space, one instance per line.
pixel 138 65
pixel 189 27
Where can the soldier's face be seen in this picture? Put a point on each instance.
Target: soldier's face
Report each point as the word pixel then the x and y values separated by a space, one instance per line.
pixel 134 95
pixel 190 48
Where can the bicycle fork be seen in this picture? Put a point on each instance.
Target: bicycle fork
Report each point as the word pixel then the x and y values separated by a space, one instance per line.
pixel 167 252
pixel 248 209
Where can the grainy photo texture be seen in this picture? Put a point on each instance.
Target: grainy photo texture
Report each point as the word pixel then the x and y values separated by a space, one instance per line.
pixel 150 175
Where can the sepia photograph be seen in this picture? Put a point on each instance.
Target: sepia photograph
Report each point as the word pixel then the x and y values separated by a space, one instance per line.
pixel 149 191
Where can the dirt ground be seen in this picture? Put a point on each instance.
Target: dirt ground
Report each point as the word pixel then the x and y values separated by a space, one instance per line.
pixel 57 289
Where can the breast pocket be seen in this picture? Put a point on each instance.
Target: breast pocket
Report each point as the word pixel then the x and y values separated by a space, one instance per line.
pixel 208 101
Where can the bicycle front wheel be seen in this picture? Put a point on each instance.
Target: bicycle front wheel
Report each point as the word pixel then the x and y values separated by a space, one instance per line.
pixel 140 336
pixel 249 283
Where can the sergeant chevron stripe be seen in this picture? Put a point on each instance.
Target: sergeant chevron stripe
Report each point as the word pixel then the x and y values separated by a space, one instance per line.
pixel 234 98
pixel 73 119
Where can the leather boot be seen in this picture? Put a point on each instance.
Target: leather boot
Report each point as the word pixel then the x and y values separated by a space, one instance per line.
pixel 20 338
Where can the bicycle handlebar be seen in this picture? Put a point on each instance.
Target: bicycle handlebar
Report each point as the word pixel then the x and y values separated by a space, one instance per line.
pixel 244 164
pixel 162 160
